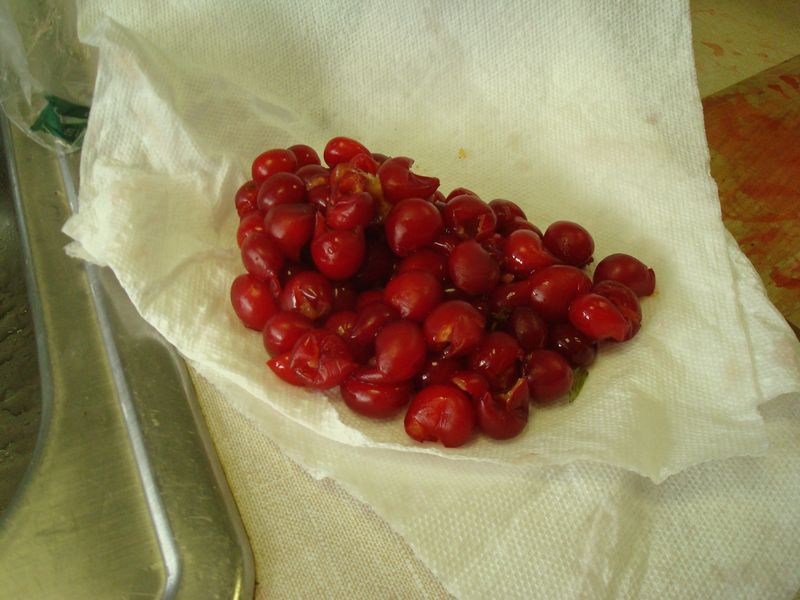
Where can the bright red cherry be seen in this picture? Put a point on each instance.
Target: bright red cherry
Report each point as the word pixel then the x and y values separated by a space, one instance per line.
pixel 569 242
pixel 578 349
pixel 375 400
pixel 414 294
pixel 497 357
pixel 412 224
pixel 426 260
pixel 469 217
pixel 342 149
pixel 305 155
pixel 399 183
pixel 262 257
pixel 282 330
pixel 246 198
pixel 553 288
pixel 250 223
pixel 309 294
pixel 503 416
pixel 291 226
pixel 528 328
pixel 472 269
pixel 440 413
pixel 281 188
pixel 597 317
pixel 338 254
pixel 252 301
pixel 454 328
pixel 400 353
pixel 277 160
pixel 350 212
pixel 525 253
pixel 628 270
pixel 319 359
pixel 548 374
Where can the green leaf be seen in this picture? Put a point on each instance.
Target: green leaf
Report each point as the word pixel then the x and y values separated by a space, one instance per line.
pixel 63 119
pixel 579 376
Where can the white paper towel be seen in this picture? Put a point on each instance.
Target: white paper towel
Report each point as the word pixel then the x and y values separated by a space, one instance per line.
pixel 577 111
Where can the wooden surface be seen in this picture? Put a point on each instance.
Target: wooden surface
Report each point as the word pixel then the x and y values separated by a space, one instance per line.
pixel 753 130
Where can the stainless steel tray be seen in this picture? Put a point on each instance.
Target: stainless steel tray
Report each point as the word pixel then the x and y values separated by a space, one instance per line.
pixel 123 496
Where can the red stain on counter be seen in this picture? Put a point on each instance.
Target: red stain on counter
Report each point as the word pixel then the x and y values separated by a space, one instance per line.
pixel 753 130
pixel 715 48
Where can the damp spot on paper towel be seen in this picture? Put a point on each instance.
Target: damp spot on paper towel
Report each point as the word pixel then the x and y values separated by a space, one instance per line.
pixel 716 49
pixel 462 153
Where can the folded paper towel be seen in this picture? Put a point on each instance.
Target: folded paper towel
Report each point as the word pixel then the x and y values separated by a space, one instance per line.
pixel 586 113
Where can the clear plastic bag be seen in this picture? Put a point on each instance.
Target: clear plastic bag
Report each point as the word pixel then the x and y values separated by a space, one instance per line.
pixel 46 74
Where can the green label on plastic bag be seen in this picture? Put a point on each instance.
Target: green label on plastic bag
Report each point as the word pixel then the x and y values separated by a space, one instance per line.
pixel 63 119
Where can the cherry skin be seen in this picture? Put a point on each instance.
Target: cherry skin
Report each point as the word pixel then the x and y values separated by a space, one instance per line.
pixel 262 257
pixel 548 374
pixel 506 211
pixel 399 183
pixel 497 357
pixel 425 260
pixel 569 242
pixel 252 301
pixel 524 253
pixel 370 320
pixel 628 270
pixel 352 211
pixel 277 160
pixel 375 400
pixel 439 371
pixel 503 416
pixel 305 155
pixel 309 294
pixel 454 328
pixel 440 413
pixel 313 176
pixel 280 188
pixel 472 269
pixel 469 217
pixel 282 330
pixel 400 353
pixel 246 198
pixel 528 328
pixel 319 359
pixel 598 318
pixel 412 224
pixel 291 226
pixel 338 254
pixel 414 294
pixel 578 349
pixel 250 223
pixel 341 149
pixel 553 288
pixel 625 299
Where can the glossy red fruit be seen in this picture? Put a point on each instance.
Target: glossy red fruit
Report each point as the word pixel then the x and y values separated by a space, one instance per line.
pixel 313 176
pixel 553 289
pixel 459 191
pixel 344 296
pixel 506 211
pixel 350 212
pixel 549 376
pixel 378 157
pixel 454 328
pixel 598 318
pixel 375 400
pixel 281 188
pixel 277 160
pixel 628 270
pixel 305 155
pixel 368 297
pixel 412 224
pixel 378 265
pixel 440 413
pixel 250 223
pixel 517 223
pixel 342 149
pixel 425 260
pixel 370 320
pixel 414 294
pixel 569 242
pixel 400 353
pixel 503 416
pixel 252 301
pixel 528 328
pixel 246 198
pixel 342 323
pixel 338 254
pixel 399 183
pixel 624 298
pixel 472 383
pixel 497 357
pixel 282 330
pixel 507 296
pixel 309 294
pixel 291 226
pixel 525 253
pixel 445 243
pixel 439 371
pixel 469 217
pixel 578 349
pixel 471 268
pixel 320 197
pixel 346 179
pixel 319 359
pixel 262 257
pixel 364 162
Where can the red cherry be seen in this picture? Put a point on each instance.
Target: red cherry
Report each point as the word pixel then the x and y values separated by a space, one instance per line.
pixel 528 328
pixel 320 196
pixel 506 211
pixel 291 226
pixel 505 415
pixel 281 188
pixel 472 383
pixel 309 294
pixel 252 301
pixel 472 269
pixel 569 242
pixel 349 212
pixel 368 297
pixel 341 149
pixel 414 294
pixel 250 223
pixel 398 182
pixel 454 328
pixel 277 160
pixel 624 298
pixel 445 243
pixel 305 155
pixel 525 253
pixel 459 191
pixel 469 217
pixel 375 400
pixel 425 260
pixel 440 413
pixel 313 176
pixel 370 320
pixel 342 324
pixel 282 330
pixel 553 288
pixel 262 257
pixel 344 296
pixel 364 162
pixel 246 198
pixel 628 270
pixel 338 254
pixel 517 223
pixel 377 267
pixel 507 296
pixel 412 224
pixel 497 357
pixel 319 359
pixel 597 317
pixel 548 374
pixel 399 353
pixel 578 349
pixel 439 371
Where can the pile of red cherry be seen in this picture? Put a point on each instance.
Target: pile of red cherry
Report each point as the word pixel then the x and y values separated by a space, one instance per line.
pixel 363 275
